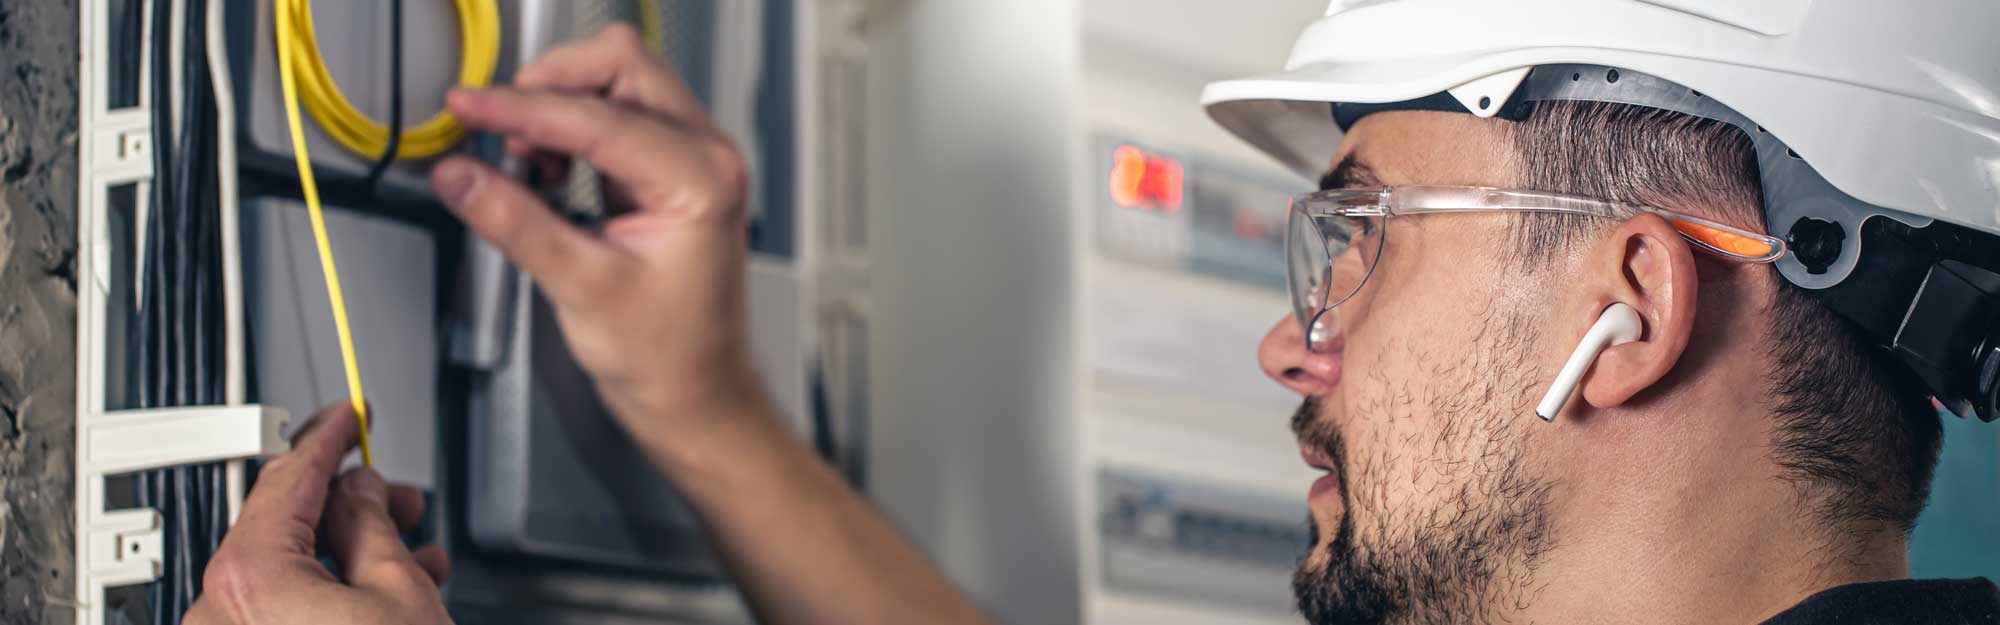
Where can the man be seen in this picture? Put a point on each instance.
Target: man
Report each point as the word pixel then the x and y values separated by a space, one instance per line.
pixel 1736 450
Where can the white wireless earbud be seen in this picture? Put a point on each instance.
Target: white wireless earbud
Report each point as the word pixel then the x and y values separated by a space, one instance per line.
pixel 1619 324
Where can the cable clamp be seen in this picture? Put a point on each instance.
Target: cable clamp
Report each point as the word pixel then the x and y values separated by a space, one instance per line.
pixel 123 145
pixel 129 549
pixel 123 441
pixel 125 546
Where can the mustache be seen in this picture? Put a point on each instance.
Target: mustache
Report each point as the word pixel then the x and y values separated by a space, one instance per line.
pixel 1307 428
pixel 1302 419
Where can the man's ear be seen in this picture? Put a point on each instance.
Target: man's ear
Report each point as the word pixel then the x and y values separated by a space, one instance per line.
pixel 1646 265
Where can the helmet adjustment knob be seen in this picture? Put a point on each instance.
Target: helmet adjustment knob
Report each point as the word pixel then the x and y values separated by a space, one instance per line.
pixel 1816 242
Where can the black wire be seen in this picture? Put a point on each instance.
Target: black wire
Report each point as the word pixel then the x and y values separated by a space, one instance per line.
pixel 154 385
pixel 162 183
pixel 129 20
pixel 180 314
pixel 181 593
pixel 176 341
pixel 218 511
pixel 185 307
pixel 395 96
pixel 199 528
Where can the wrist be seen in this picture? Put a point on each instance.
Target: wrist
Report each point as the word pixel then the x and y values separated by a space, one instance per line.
pixel 724 424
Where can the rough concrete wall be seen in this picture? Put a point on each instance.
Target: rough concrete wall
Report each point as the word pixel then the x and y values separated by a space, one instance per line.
pixel 38 91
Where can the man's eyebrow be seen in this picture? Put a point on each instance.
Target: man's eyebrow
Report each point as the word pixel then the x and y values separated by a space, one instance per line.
pixel 1349 174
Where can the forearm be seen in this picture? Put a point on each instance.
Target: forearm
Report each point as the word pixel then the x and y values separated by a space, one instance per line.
pixel 651 304
pixel 805 547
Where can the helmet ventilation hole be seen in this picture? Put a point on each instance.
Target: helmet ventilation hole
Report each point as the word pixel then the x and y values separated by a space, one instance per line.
pixel 1611 76
pixel 1485 103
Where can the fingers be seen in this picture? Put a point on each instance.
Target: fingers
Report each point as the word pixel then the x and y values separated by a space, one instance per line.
pixel 362 536
pixel 406 505
pixel 664 163
pixel 205 612
pixel 284 507
pixel 435 562
pixel 268 556
pixel 566 262
pixel 617 63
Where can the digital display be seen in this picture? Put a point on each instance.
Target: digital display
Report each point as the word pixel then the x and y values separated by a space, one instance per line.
pixel 1192 212
pixel 1141 179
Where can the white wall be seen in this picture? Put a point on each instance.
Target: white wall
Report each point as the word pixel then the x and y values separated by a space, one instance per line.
pixel 973 116
pixel 1145 61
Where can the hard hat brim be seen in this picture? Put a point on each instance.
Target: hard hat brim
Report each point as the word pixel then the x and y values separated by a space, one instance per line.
pixel 1943 162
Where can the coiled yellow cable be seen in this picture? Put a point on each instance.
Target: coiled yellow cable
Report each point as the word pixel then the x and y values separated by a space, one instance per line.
pixel 479 37
pixel 298 58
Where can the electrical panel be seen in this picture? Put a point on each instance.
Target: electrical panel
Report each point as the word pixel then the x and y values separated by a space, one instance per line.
pixel 1190 541
pixel 1186 211
pixel 393 300
pixel 551 474
pixel 551 514
pixel 1176 226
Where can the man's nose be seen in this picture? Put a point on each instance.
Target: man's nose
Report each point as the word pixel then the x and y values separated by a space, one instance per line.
pixel 1284 357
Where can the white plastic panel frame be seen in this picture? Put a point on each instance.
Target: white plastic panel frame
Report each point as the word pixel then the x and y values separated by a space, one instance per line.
pixel 122 547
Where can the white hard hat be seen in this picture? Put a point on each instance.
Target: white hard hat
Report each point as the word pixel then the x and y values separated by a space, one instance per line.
pixel 1895 103
pixel 1859 109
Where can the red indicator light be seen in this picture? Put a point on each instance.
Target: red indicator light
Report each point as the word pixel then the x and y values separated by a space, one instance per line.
pixel 1249 225
pixel 1140 179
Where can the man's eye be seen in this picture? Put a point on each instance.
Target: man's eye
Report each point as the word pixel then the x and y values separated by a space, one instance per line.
pixel 1359 226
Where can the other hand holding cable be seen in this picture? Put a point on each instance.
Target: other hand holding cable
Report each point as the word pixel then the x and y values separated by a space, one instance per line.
pixel 266 570
pixel 652 305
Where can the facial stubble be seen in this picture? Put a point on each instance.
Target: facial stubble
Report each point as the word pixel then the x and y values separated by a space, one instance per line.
pixel 1470 556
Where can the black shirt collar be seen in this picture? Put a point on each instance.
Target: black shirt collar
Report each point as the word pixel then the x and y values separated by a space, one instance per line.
pixel 1939 601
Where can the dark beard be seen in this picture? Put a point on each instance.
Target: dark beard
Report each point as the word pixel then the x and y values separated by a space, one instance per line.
pixel 1336 593
pixel 1477 549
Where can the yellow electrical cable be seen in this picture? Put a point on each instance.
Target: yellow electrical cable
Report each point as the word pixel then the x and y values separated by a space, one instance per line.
pixel 289 83
pixel 479 41
pixel 301 70
pixel 651 27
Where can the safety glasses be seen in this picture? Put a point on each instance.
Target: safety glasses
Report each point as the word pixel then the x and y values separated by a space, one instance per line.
pixel 1335 237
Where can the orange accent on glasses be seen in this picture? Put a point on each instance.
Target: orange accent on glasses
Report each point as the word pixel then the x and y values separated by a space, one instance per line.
pixel 1725 240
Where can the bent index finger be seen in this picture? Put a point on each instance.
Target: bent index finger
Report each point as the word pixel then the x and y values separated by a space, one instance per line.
pixel 614 61
pixel 291 490
pixel 568 263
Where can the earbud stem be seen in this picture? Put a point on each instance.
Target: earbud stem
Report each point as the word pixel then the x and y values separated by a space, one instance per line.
pixel 1619 324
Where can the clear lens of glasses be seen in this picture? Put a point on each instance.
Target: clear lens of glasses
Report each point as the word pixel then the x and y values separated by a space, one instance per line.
pixel 1328 258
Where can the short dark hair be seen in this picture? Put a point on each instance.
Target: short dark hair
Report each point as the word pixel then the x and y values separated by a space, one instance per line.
pixel 1853 430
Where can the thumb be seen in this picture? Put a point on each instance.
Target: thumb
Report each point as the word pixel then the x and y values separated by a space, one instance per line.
pixel 205 612
pixel 363 538
pixel 566 261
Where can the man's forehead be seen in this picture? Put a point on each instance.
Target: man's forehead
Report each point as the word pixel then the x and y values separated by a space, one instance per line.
pixel 1424 147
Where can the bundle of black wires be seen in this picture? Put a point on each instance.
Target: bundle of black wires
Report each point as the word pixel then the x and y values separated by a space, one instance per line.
pixel 176 343
pixel 175 350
